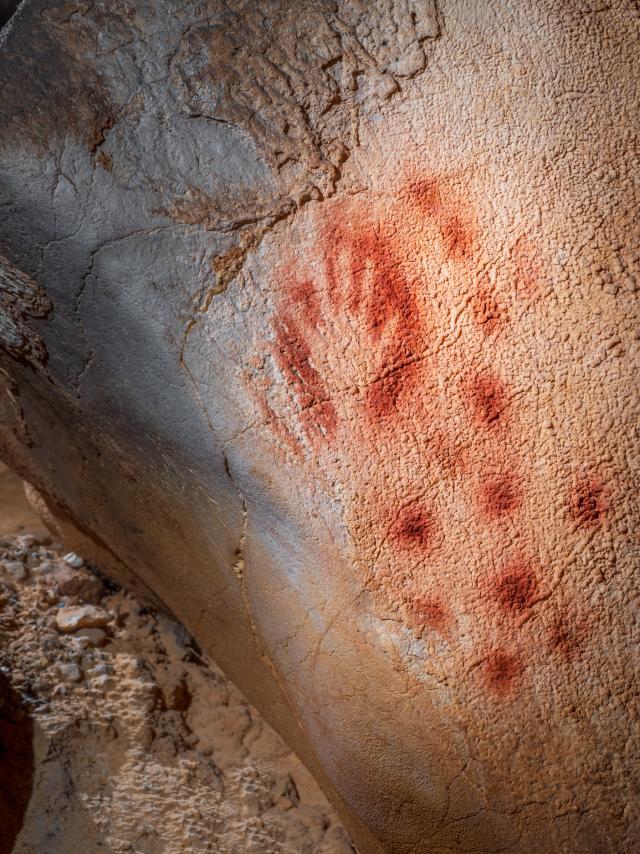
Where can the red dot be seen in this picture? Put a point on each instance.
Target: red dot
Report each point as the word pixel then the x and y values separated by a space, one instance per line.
pixel 487 399
pixel 502 671
pixel 588 502
pixel 516 588
pixel 415 528
pixel 500 495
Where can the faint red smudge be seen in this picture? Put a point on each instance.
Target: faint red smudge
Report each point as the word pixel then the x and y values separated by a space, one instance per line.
pixel 502 670
pixel 448 452
pixel 487 399
pixel 500 495
pixel 588 502
pixel 383 395
pixel 527 269
pixel 317 412
pixel 430 613
pixel 487 312
pixel 303 299
pixel 414 529
pixel 276 424
pixel 516 588
pixel 567 636
pixel 436 200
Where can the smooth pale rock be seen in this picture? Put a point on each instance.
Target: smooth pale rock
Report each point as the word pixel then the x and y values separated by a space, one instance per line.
pixel 318 323
pixel 74 560
pixel 75 617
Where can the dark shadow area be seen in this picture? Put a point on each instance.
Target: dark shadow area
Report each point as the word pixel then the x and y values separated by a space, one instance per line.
pixel 7 8
pixel 16 764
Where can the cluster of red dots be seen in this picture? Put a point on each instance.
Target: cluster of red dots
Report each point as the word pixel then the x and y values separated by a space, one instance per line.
pixel 375 287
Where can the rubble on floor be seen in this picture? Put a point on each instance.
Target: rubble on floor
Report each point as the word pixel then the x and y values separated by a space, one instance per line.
pixel 122 739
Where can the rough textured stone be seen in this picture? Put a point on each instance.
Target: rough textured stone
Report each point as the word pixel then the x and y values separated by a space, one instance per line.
pixel 139 745
pixel 337 304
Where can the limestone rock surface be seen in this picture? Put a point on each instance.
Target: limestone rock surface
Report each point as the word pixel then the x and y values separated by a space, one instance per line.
pixel 319 326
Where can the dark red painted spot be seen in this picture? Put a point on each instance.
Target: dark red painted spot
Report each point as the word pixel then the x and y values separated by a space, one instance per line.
pixel 588 503
pixel 500 495
pixel 516 588
pixel 487 311
pixel 415 528
pixel 502 671
pixel 487 398
pixel 429 612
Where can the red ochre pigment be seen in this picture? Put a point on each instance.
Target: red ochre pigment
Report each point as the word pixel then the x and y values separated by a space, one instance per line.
pixel 588 504
pixel 567 636
pixel 454 220
pixel 385 395
pixel 500 495
pixel 414 529
pixel 318 413
pixel 304 300
pixel 486 399
pixel 366 275
pixel 487 312
pixel 516 588
pixel 377 288
pixel 430 613
pixel 502 671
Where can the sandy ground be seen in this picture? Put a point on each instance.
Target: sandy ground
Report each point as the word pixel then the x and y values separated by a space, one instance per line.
pixel 115 734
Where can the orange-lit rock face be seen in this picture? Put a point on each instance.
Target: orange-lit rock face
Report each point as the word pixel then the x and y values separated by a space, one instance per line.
pixel 344 317
pixel 396 342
